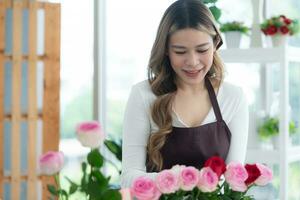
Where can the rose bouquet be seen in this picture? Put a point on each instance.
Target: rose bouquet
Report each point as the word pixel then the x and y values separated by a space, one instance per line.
pixel 215 181
pixel 94 185
pixel 280 25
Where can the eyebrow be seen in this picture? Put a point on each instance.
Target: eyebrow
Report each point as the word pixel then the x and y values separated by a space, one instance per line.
pixel 183 47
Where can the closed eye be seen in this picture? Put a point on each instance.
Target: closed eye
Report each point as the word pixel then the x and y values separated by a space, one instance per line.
pixel 202 51
pixel 180 52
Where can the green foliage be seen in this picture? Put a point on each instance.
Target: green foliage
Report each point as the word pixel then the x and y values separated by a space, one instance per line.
pixel 95 159
pixel 275 24
pixel 216 12
pixel 234 26
pixel 270 128
pixel 94 185
pixel 115 148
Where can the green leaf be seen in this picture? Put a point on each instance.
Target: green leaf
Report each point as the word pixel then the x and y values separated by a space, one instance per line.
pixel 84 179
pixel 111 195
pixel 52 189
pixel 115 148
pixel 95 159
pixel 83 167
pixel 73 189
pixel 209 1
pixel 73 186
pixel 94 190
pixel 100 179
pixel 216 12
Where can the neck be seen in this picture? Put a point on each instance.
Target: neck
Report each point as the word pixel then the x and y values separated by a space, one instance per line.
pixel 192 88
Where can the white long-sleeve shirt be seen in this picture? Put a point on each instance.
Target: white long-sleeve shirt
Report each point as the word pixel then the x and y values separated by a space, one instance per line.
pixel 138 125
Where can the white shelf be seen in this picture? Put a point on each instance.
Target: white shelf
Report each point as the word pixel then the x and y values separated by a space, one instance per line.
pixel 282 55
pixel 253 55
pixel 271 157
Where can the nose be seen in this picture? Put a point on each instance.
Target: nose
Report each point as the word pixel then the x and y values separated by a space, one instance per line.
pixel 192 60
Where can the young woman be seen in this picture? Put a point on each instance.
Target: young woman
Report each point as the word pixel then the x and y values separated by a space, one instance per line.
pixel 184 113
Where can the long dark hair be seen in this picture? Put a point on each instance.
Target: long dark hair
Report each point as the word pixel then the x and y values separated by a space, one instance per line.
pixel 180 15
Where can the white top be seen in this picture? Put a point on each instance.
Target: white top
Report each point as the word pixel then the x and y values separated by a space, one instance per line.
pixel 138 125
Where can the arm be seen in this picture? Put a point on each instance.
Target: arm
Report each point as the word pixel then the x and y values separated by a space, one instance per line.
pixel 238 126
pixel 136 130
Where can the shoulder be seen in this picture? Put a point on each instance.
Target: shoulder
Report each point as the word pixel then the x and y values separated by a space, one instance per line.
pixel 143 90
pixel 231 94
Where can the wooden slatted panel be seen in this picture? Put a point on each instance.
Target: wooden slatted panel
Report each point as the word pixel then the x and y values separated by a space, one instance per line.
pixel 51 84
pixel 8 3
pixel 32 103
pixel 16 96
pixel 2 47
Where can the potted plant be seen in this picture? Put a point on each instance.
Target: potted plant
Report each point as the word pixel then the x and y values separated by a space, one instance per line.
pixel 269 129
pixel 279 27
pixel 233 32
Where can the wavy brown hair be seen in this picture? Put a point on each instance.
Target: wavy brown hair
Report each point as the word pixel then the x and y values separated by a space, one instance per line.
pixel 180 15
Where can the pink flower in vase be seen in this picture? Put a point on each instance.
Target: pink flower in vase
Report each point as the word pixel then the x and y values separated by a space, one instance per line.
pixel 266 175
pixel 189 178
pixel 90 134
pixel 51 162
pixel 235 176
pixel 144 188
pixel 208 180
pixel 167 181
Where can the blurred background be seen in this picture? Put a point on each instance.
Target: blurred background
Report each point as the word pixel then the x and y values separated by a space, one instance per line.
pixel 105 48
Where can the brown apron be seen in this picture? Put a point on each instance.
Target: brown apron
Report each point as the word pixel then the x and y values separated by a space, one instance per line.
pixel 193 146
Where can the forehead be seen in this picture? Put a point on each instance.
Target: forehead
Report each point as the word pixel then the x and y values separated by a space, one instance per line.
pixel 189 37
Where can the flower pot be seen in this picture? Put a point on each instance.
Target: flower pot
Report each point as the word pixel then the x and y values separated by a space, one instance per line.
pixel 279 40
pixel 276 142
pixel 233 39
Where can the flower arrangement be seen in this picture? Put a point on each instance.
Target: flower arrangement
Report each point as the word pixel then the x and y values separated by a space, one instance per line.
pixel 234 26
pixel 270 128
pixel 280 25
pixel 94 185
pixel 216 181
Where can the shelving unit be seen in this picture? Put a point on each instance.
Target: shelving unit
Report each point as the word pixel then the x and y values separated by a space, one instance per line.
pixel 285 154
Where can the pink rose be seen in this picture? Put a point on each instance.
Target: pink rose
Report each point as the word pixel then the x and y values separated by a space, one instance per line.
pixel 90 134
pixel 125 193
pixel 266 175
pixel 51 162
pixel 144 188
pixel 208 180
pixel 189 178
pixel 177 169
pixel 235 176
pixel 167 181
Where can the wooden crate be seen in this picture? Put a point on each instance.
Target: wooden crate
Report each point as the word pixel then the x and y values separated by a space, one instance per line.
pixel 49 113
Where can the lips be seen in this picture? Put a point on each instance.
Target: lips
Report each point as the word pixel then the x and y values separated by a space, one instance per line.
pixel 192 73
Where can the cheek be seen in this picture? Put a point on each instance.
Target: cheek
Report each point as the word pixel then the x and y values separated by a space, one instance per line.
pixel 208 59
pixel 176 61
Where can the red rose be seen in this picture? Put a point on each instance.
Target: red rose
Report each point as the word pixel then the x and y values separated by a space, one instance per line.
pixel 284 30
pixel 217 164
pixel 253 173
pixel 287 21
pixel 272 30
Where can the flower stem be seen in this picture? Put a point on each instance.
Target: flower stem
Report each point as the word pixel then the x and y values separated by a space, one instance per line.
pixel 56 176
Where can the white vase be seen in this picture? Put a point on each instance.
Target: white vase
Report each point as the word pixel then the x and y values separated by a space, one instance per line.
pixel 256 35
pixel 276 143
pixel 279 40
pixel 233 39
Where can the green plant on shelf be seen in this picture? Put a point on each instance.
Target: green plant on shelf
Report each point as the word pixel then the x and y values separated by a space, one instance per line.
pixel 234 26
pixel 270 128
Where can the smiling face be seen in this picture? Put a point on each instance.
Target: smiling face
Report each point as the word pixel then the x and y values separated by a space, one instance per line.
pixel 191 55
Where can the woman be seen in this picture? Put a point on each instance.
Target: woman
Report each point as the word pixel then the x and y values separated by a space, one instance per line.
pixel 184 113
